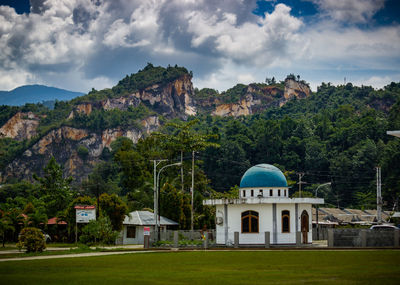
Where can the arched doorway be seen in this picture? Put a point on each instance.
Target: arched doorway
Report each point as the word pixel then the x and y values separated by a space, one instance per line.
pixel 304 226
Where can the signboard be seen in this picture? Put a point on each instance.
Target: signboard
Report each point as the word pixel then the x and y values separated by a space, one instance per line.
pixel 146 231
pixel 84 214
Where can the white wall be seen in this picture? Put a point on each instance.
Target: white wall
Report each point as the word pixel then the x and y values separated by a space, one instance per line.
pixel 139 236
pixel 265 223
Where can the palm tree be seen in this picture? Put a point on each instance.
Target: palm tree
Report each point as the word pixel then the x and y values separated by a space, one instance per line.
pixel 37 218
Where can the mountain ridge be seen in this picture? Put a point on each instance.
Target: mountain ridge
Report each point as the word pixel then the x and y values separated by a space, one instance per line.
pixel 35 93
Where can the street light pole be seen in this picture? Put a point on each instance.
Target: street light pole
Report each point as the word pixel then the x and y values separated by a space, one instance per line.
pixel 191 218
pixel 316 196
pixel 156 163
pixel 156 210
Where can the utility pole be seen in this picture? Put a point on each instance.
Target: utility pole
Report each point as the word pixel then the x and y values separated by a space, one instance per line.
pixel 301 174
pixel 156 163
pixel 191 223
pixel 378 195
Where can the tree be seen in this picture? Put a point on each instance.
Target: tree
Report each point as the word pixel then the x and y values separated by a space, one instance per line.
pixel 172 204
pixel 5 226
pixel 133 166
pixel 55 190
pixel 184 139
pixel 113 207
pixel 37 217
pixel 99 230
pixel 101 180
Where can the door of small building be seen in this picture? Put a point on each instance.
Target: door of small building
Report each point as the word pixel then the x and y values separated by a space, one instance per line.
pixel 304 226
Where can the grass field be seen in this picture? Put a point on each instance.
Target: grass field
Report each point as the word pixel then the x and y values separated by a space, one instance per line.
pixel 223 267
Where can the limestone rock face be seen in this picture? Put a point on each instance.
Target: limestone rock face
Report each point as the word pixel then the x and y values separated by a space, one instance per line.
pixel 110 135
pixel 21 126
pixel 62 143
pixel 58 136
pixel 257 98
pixel 84 108
pixel 242 108
pixel 294 89
pixel 150 124
pixel 121 103
pixel 173 99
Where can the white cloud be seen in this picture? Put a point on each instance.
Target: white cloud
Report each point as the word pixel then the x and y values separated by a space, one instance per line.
pixel 245 78
pixel 377 81
pixel 350 11
pixel 261 42
pixel 79 44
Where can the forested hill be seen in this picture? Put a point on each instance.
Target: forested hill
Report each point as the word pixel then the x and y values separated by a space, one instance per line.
pixel 34 94
pixel 337 134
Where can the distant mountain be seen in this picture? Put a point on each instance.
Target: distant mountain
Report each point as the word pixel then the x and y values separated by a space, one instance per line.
pixel 35 94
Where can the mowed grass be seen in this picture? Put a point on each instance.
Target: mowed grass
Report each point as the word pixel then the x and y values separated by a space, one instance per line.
pixel 207 267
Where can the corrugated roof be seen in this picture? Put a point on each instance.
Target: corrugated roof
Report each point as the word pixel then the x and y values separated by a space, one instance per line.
pixel 146 218
pixel 353 216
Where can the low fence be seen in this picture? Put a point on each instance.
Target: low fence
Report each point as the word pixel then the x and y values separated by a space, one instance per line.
pixel 322 233
pixel 363 238
pixel 181 238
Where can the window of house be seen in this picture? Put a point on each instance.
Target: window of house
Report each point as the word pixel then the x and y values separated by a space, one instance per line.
pixel 130 232
pixel 270 192
pixel 261 193
pixel 285 193
pixel 279 192
pixel 250 222
pixel 244 193
pixel 285 221
pixel 252 193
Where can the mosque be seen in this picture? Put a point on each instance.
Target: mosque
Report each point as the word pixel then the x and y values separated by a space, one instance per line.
pixel 264 206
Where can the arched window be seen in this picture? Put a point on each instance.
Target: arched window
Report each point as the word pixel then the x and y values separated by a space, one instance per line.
pixel 285 221
pixel 250 222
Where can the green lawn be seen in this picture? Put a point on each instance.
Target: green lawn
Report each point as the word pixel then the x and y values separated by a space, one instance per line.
pixel 200 267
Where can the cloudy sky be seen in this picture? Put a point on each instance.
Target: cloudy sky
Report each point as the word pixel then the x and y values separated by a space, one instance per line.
pixel 80 44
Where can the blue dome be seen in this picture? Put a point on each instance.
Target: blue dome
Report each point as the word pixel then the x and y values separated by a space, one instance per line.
pixel 263 175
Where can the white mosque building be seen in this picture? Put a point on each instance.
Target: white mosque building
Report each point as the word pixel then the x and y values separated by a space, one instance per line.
pixel 264 206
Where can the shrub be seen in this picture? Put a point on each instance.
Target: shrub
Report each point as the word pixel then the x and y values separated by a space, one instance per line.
pixel 98 231
pixel 83 152
pixel 32 239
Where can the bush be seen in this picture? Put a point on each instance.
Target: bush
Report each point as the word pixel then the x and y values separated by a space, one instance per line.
pixel 83 152
pixel 98 231
pixel 32 239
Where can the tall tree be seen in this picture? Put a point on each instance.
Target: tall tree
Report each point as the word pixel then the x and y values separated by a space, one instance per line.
pixel 113 207
pixel 55 190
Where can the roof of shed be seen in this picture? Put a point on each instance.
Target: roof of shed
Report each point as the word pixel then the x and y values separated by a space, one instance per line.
pixel 146 218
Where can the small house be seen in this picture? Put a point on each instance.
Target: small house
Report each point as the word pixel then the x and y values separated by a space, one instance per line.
pixel 134 223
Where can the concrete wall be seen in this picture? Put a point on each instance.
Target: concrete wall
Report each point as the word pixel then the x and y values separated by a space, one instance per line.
pixel 362 238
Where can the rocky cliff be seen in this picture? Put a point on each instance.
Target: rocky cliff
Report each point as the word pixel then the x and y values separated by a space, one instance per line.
pixel 295 89
pixel 63 144
pixel 258 98
pixel 21 126
pixel 173 99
